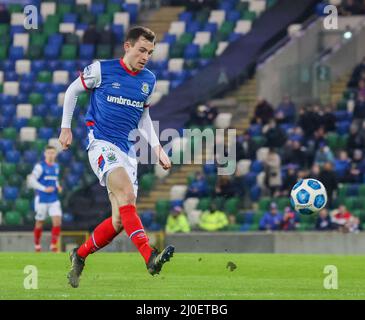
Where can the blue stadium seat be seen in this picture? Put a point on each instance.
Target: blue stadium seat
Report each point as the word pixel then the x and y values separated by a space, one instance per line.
pixel 21 98
pixel 70 17
pixel 255 130
pixel 209 169
pixel 81 26
pixel 343 127
pixel 87 51
pixel 38 65
pixel 341 167
pixel 12 156
pixel 8 65
pixel 30 156
pixel 132 9
pixel 234 36
pixel 55 111
pixel 6 145
pixel 16 53
pixel 45 133
pixel 353 190
pixel 176 203
pixel 41 87
pixel 16 29
pixel 186 16
pixel 30 77
pixel 57 87
pixel 161 65
pixel 69 65
pixel 19 123
pixel 25 86
pixel 5 121
pixel 53 65
pixel 193 27
pixel 191 51
pixel 10 193
pixel 65 157
pixel 77 168
pixel 40 110
pixel 203 63
pixel 50 98
pixel 80 132
pixel 175 83
pixel 6 99
pixel 226 5
pixel 72 181
pixel 55 39
pixel 248 217
pixel 210 27
pixel 8 110
pixel 118 31
pixel 51 51
pixel 147 218
pixel 11 76
pixel 82 64
pixel 233 16
pixel 97 8
pixel 169 38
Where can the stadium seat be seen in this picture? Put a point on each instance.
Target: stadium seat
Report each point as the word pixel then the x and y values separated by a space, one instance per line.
pixel 147 182
pixel 12 156
pixel 243 26
pixel 24 111
pixel 177 28
pixel 13 218
pixel 11 88
pixel 30 156
pixel 122 18
pixel 194 217
pixel 202 38
pixel 161 52
pixel 163 86
pixel 178 192
pixel 217 16
pixel 28 134
pixel 10 193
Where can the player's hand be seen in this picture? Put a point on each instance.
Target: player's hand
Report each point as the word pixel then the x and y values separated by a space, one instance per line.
pixel 163 158
pixel 59 188
pixel 49 189
pixel 65 138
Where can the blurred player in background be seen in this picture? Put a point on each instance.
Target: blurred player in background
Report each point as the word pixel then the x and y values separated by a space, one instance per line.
pixel 121 92
pixel 44 179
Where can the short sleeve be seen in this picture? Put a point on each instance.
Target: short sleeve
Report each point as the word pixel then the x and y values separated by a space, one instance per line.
pixel 91 76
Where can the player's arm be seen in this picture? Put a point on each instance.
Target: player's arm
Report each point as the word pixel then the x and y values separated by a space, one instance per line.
pixel 88 80
pixel 147 130
pixel 33 180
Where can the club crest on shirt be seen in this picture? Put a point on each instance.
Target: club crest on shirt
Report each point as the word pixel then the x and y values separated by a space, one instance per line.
pixel 145 88
pixel 111 157
pixel 116 85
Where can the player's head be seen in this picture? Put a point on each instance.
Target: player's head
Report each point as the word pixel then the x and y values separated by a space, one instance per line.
pixel 138 46
pixel 50 154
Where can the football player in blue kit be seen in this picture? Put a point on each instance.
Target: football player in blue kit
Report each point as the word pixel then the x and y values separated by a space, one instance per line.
pixel 44 180
pixel 121 92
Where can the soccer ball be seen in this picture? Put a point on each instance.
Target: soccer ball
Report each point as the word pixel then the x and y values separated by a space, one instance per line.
pixel 308 196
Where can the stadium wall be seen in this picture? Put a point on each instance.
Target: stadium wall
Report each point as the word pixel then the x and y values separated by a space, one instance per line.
pixel 251 242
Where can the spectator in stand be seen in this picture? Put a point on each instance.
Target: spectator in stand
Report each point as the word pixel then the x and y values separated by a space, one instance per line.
pixel 245 147
pixel 224 187
pixel 275 136
pixel 329 179
pixel 285 111
pixel 198 188
pixel 272 167
pixel 289 181
pixel 342 165
pixel 323 222
pixel 315 171
pixel 4 15
pixel 343 220
pixel 328 119
pixel 107 37
pixel 203 115
pixel 313 144
pixel 264 112
pixel 271 220
pixel 358 159
pixel 91 35
pixel 213 220
pixel 354 140
pixel 177 221
pixel 309 120
pixel 290 220
pixel 361 89
pixel 359 110
pixel 351 7
pixel 295 153
pixel 356 74
pixel 323 155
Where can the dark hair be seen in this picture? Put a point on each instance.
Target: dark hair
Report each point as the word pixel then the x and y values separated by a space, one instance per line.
pixel 139 31
pixel 49 147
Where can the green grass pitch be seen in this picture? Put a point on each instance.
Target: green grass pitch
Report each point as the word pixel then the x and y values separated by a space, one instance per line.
pixel 186 276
